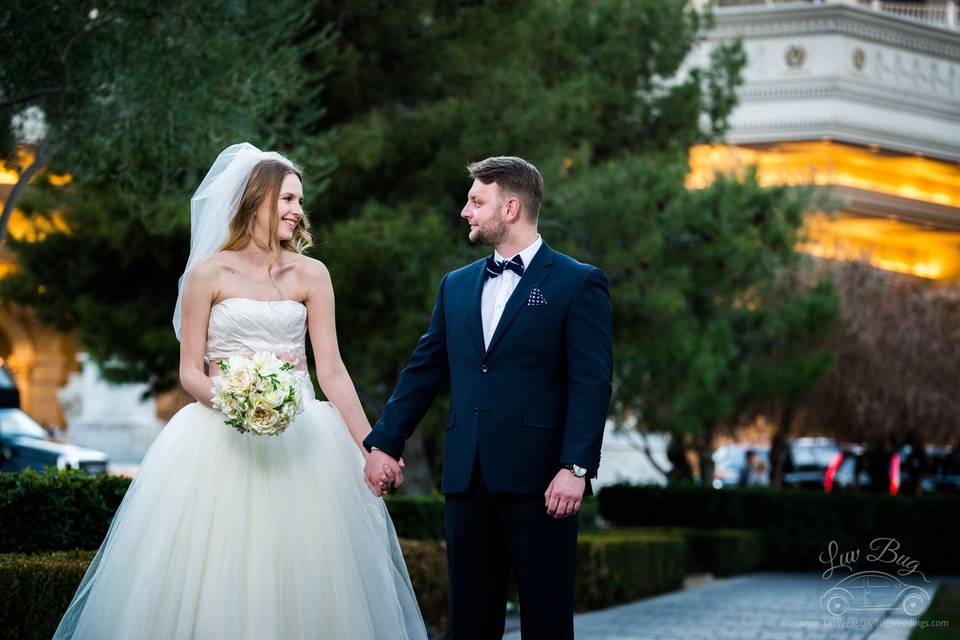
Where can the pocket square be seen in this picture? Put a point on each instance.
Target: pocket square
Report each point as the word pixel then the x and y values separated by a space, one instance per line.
pixel 536 299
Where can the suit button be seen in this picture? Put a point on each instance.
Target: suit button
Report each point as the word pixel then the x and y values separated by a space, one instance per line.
pixel 484 368
pixel 476 412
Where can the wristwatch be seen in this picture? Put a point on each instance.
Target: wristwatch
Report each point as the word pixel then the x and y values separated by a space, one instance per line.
pixel 576 469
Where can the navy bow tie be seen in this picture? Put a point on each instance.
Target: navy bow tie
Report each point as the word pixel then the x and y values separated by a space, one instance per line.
pixel 495 268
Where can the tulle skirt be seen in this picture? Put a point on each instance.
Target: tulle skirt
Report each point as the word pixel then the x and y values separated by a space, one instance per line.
pixel 228 535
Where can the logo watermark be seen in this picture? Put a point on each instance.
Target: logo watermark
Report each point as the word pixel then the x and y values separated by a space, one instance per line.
pixel 873 590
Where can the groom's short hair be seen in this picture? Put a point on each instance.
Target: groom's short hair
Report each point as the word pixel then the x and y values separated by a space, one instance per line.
pixel 515 175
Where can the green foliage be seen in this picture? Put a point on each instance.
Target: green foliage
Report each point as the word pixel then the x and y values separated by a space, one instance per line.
pixel 942 618
pixel 417 517
pixel 37 590
pixel 797 525
pixel 543 80
pixel 611 569
pixel 141 96
pixel 137 100
pixel 62 510
pixel 427 565
pixel 701 328
pixel 722 552
pixel 385 264
pixel 618 567
pixel 55 511
pixel 96 279
pixel 595 93
pixel 38 587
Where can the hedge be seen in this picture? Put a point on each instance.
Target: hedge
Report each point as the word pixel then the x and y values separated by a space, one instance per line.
pixel 722 552
pixel 611 568
pixel 38 587
pixel 56 511
pixel 36 591
pixel 621 566
pixel 63 510
pixel 798 525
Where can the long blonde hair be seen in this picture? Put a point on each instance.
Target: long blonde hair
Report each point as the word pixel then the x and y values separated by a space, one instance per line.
pixel 264 183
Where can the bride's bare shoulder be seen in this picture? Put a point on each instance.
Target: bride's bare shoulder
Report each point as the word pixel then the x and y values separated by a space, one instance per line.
pixel 206 271
pixel 311 268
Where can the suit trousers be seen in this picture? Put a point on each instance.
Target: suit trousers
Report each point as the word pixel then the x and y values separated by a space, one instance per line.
pixel 488 534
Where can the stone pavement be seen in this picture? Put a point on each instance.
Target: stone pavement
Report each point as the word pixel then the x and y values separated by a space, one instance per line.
pixel 763 606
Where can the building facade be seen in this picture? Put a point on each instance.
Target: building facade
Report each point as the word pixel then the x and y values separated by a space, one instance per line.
pixel 860 97
pixel 40 359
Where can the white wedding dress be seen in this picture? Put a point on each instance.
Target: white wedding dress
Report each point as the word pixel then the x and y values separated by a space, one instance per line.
pixel 230 535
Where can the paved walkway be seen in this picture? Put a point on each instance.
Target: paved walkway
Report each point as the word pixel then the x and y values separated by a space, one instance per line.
pixel 765 606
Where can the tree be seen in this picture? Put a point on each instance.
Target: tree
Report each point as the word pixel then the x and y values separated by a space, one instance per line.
pixel 582 89
pixel 703 333
pixel 595 93
pixel 793 351
pixel 134 100
pixel 142 96
pixel 385 264
pixel 897 339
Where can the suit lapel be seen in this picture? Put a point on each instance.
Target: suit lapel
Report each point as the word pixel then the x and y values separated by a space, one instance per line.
pixel 476 314
pixel 538 270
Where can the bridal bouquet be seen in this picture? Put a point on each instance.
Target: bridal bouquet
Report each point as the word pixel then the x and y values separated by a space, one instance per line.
pixel 258 394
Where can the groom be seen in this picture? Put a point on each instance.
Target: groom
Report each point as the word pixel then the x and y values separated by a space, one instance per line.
pixel 524 337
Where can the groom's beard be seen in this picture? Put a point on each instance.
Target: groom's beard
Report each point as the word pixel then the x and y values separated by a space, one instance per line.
pixel 494 233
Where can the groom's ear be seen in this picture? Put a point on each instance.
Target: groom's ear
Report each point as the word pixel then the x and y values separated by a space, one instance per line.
pixel 513 209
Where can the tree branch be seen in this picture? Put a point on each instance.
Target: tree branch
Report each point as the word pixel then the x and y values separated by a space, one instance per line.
pixel 643 447
pixel 48 91
pixel 40 160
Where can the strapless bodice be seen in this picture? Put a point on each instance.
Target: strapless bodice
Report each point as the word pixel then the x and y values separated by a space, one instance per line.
pixel 242 326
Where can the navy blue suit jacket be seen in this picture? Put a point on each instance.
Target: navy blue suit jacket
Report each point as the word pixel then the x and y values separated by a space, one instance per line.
pixel 534 400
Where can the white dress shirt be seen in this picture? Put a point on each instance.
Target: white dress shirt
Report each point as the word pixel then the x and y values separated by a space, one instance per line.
pixel 496 291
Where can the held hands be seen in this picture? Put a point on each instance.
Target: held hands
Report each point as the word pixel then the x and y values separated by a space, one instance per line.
pixel 564 494
pixel 382 472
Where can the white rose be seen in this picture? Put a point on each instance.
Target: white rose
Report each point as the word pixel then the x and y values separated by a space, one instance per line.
pixel 275 397
pixel 263 420
pixel 236 382
pixel 267 363
pixel 239 363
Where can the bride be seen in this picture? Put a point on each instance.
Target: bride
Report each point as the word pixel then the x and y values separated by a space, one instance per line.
pixel 226 534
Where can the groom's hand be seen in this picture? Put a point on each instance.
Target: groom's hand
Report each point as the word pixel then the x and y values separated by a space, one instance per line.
pixel 564 494
pixel 382 472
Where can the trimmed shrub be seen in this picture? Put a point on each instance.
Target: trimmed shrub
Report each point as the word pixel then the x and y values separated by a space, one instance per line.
pixel 417 517
pixel 620 566
pixel 36 591
pixel 722 552
pixel 38 587
pixel 798 525
pixel 612 567
pixel 56 511
pixel 63 510
pixel 427 565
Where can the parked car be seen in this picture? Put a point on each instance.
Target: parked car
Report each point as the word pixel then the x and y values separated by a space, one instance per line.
pixel 805 465
pixel 730 461
pixel 25 444
pixel 943 474
pixel 9 394
pixel 846 471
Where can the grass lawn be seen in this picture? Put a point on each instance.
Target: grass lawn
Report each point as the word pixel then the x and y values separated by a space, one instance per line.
pixel 945 607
